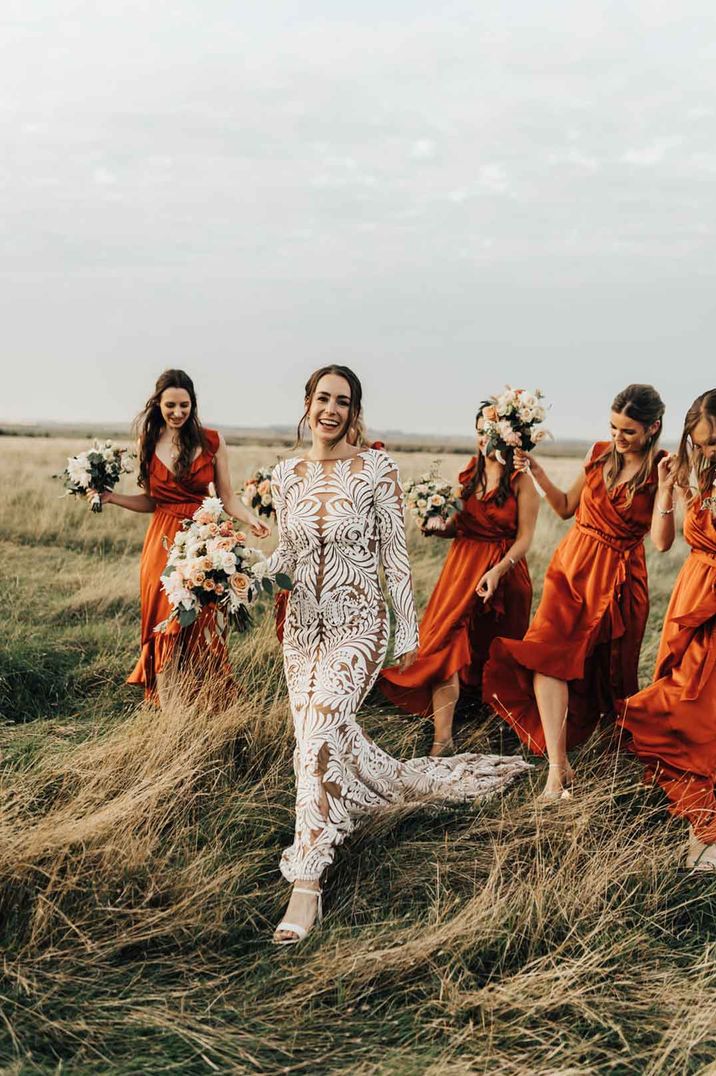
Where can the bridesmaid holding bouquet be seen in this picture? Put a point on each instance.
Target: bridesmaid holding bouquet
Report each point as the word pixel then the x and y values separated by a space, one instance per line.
pixel 179 459
pixel 484 589
pixel 673 721
pixel 581 652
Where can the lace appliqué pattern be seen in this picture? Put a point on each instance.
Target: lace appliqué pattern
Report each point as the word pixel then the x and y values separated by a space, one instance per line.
pixel 339 524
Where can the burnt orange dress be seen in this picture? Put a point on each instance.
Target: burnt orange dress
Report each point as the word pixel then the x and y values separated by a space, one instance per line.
pixel 673 721
pixel 175 501
pixel 590 622
pixel 458 627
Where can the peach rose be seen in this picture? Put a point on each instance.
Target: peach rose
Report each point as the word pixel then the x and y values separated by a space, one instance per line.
pixel 264 487
pixel 203 518
pixel 490 413
pixel 239 537
pixel 239 583
pixel 219 588
pixel 213 530
pixel 197 579
pixel 209 584
pixel 226 529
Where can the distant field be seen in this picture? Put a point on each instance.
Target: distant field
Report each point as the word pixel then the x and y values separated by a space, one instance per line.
pixel 139 849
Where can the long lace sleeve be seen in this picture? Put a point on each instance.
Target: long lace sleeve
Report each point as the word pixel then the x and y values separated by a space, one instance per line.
pixel 283 558
pixel 388 501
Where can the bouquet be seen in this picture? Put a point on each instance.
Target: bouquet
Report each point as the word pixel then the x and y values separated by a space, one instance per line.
pixel 431 499
pixel 98 469
pixel 509 421
pixel 209 563
pixel 257 492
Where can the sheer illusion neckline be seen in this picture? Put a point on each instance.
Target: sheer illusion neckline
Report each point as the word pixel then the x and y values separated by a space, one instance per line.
pixel 331 459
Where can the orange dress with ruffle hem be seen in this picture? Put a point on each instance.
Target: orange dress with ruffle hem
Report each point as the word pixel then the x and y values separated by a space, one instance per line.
pixel 458 627
pixel 201 646
pixel 673 721
pixel 590 623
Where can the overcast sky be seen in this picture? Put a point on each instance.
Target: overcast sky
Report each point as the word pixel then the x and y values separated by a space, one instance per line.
pixel 519 191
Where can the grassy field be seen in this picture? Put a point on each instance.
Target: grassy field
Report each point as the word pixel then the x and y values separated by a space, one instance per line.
pixel 139 849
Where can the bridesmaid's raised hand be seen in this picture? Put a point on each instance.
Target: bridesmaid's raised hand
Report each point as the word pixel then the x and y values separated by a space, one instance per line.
pixel 523 461
pixel 666 469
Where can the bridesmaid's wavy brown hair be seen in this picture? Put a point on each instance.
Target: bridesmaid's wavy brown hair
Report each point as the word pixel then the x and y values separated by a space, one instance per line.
pixel 644 404
pixel 478 480
pixel 149 425
pixel 353 429
pixel 691 464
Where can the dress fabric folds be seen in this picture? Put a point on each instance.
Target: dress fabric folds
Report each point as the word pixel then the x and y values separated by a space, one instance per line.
pixel 201 647
pixel 458 628
pixel 590 622
pixel 340 522
pixel 672 722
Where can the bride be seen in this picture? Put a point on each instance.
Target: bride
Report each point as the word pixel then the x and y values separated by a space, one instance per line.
pixel 340 518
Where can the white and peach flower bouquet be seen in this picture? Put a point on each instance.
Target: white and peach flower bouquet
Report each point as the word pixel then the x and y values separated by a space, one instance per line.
pixel 97 470
pixel 432 500
pixel 209 563
pixel 256 493
pixel 510 421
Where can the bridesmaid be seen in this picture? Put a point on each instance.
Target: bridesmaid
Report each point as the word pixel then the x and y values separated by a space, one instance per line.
pixel 178 460
pixel 673 721
pixel 581 652
pixel 484 590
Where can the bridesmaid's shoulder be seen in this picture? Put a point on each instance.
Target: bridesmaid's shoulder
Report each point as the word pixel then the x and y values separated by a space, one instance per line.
pixel 213 439
pixel 598 450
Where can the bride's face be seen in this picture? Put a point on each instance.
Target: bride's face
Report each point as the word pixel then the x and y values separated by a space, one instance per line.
pixel 329 411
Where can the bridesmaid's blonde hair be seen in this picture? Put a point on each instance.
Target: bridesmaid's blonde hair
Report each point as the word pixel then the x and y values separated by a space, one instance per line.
pixel 691 464
pixel 644 404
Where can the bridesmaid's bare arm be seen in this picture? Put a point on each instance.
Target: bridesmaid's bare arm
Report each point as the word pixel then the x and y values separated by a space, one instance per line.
pixel 133 502
pixel 563 502
pixel 527 511
pixel 663 528
pixel 225 490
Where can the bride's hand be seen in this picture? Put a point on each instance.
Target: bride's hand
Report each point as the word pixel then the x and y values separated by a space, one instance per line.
pixel 259 529
pixel 407 659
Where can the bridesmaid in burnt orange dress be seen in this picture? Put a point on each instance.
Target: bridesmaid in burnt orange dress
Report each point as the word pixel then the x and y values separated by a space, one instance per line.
pixel 178 460
pixel 673 721
pixel 484 590
pixel 581 652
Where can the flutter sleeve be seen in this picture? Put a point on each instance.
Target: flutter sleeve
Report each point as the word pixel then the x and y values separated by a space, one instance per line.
pixel 390 520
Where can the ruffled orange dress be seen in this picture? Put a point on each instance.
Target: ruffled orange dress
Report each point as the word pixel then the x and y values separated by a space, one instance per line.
pixel 458 627
pixel 590 623
pixel 673 721
pixel 175 501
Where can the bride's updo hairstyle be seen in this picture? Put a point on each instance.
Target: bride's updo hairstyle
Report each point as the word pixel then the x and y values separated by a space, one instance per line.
pixel 691 464
pixel 643 404
pixel 353 429
pixel 149 424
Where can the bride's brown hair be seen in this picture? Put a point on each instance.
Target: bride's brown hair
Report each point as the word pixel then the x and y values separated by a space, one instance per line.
pixel 690 460
pixel 644 404
pixel 149 423
pixel 354 422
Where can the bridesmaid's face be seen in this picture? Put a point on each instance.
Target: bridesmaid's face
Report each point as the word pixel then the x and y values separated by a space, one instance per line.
pixel 704 438
pixel 175 405
pixel 481 439
pixel 329 412
pixel 629 435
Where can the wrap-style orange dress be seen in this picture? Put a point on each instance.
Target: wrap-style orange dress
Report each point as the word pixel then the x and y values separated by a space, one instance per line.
pixel 175 501
pixel 458 627
pixel 673 721
pixel 590 623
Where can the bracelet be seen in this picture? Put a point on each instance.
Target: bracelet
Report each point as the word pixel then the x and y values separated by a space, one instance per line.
pixel 512 561
pixel 666 511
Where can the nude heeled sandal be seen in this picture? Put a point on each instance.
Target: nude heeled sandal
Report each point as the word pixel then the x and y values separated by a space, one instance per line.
pixel 295 928
pixel 564 793
pixel 700 856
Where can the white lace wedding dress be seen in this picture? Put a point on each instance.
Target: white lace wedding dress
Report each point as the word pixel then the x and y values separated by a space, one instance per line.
pixel 339 521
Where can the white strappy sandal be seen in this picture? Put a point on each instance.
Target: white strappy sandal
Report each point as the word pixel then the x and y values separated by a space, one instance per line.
pixel 295 928
pixel 565 792
pixel 700 856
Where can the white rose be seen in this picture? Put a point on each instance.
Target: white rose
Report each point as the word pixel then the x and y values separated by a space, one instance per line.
pixel 266 500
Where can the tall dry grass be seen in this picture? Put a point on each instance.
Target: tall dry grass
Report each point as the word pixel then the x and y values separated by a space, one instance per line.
pixel 139 882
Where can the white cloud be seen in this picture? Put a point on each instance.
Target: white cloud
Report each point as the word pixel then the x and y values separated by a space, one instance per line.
pixel 424 149
pixel 652 154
